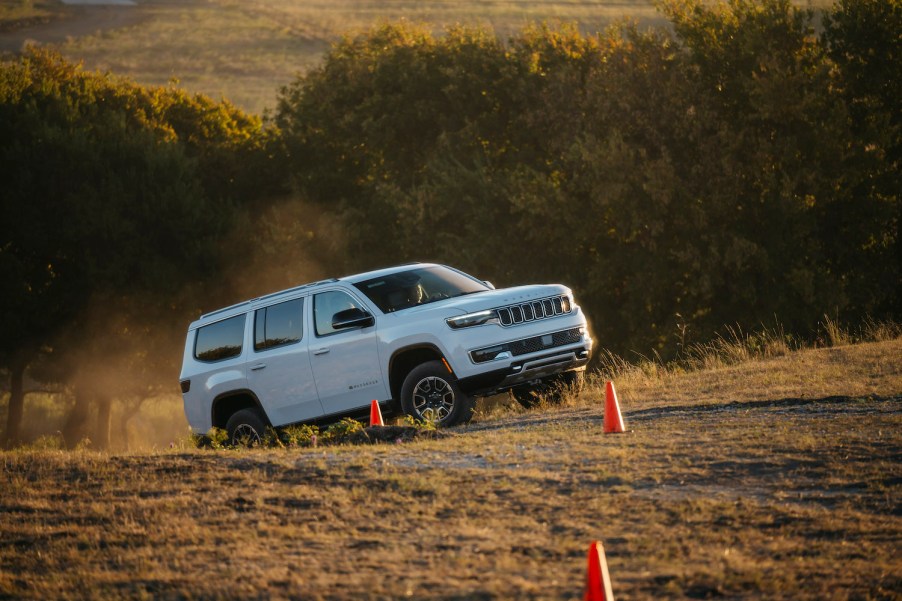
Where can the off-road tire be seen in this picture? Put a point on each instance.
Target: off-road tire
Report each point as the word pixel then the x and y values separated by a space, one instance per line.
pixel 246 428
pixel 552 390
pixel 431 393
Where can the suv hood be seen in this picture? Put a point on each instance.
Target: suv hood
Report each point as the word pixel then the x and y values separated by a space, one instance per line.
pixel 490 299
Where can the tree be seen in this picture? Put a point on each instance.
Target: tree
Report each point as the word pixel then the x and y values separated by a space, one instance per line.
pixel 107 194
pixel 735 168
pixel 862 39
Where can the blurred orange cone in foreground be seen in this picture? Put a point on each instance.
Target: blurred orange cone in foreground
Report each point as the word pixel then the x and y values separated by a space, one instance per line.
pixel 598 581
pixel 375 414
pixel 613 422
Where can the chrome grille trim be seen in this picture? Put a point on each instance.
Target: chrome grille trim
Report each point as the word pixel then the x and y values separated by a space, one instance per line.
pixel 543 308
pixel 526 346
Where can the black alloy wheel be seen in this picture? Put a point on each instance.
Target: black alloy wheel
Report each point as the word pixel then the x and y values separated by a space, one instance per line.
pixel 246 428
pixel 430 393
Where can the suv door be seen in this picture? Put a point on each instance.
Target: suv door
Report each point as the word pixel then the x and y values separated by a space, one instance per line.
pixel 346 361
pixel 278 369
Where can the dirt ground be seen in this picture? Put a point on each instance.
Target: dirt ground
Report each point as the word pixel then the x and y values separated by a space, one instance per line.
pixel 772 479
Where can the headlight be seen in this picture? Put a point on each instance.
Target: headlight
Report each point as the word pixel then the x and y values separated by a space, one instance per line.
pixel 472 319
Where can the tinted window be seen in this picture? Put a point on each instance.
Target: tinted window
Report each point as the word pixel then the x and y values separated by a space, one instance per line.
pixel 418 286
pixel 220 340
pixel 326 305
pixel 279 324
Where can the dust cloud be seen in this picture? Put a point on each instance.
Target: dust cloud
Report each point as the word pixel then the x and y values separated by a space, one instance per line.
pixel 287 244
pixel 111 382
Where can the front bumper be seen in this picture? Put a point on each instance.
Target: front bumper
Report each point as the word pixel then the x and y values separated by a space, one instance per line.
pixel 526 370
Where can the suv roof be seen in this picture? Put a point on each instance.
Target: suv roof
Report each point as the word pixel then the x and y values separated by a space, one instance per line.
pixel 378 273
pixel 237 308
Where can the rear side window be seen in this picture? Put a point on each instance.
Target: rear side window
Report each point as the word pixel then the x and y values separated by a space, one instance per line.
pixel 279 325
pixel 220 340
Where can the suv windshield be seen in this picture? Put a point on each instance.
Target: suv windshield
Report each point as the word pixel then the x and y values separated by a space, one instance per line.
pixel 417 286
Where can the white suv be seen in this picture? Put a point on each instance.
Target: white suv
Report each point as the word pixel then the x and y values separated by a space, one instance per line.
pixel 423 339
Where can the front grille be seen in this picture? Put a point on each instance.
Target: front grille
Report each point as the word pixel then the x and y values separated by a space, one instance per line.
pixel 534 310
pixel 541 343
pixel 528 345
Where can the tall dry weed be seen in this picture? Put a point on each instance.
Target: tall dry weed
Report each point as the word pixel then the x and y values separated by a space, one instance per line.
pixel 874 330
pixel 834 333
pixel 729 348
pixel 737 346
pixel 642 372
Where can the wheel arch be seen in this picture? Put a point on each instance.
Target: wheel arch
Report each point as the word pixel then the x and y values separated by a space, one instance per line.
pixel 404 360
pixel 228 403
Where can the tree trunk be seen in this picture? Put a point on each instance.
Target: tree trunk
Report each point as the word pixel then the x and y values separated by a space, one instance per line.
pixel 76 424
pixel 123 428
pixel 104 404
pixel 16 402
pixel 129 409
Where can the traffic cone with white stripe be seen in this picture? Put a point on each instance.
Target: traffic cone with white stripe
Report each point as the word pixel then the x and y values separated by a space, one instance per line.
pixel 375 414
pixel 598 580
pixel 613 421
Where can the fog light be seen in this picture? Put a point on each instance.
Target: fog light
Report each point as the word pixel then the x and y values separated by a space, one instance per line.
pixel 486 354
pixel 490 353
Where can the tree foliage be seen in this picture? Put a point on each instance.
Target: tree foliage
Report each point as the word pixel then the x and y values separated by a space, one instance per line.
pixel 112 195
pixel 719 174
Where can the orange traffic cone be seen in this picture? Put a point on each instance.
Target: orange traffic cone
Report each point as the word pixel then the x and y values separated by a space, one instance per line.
pixel 613 421
pixel 375 414
pixel 598 580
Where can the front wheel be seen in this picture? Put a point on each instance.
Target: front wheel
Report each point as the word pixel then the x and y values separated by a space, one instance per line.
pixel 430 393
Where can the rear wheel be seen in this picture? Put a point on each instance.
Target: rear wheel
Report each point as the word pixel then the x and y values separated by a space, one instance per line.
pixel 430 393
pixel 246 428
pixel 552 390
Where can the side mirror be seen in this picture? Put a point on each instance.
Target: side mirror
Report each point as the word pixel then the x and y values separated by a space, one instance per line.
pixel 489 284
pixel 352 318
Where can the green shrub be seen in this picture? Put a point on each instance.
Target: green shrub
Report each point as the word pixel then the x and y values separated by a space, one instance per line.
pixel 342 429
pixel 420 424
pixel 215 438
pixel 299 436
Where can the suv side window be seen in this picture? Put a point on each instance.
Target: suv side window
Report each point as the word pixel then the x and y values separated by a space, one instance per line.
pixel 326 305
pixel 220 340
pixel 278 325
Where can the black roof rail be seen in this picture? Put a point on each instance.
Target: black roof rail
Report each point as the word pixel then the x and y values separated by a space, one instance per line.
pixel 223 310
pixel 266 296
pixel 295 289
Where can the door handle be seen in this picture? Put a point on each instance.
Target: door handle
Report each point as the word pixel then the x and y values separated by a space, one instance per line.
pixel 258 366
pixel 321 351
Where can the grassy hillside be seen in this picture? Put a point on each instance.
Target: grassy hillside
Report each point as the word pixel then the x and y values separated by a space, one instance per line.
pixel 777 478
pixel 245 51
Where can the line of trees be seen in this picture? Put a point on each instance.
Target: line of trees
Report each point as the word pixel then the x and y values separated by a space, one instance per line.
pixel 736 167
pixel 114 197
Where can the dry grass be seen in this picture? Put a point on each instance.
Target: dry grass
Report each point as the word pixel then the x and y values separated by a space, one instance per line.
pixel 246 51
pixel 774 478
pixel 16 14
pixel 766 364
